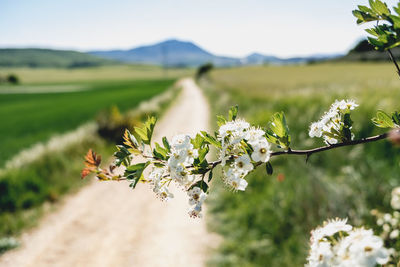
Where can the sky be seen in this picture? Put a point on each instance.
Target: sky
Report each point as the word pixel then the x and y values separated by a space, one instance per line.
pixel 237 28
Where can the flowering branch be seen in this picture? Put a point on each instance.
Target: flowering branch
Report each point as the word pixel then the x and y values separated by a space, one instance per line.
pixel 241 149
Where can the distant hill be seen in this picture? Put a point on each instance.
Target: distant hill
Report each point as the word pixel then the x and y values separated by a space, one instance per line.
pixel 181 53
pixel 259 59
pixel 170 53
pixel 35 58
pixel 364 51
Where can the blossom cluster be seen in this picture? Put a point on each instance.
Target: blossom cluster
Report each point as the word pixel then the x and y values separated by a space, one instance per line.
pixel 242 146
pixel 337 243
pixel 332 124
pixel 177 170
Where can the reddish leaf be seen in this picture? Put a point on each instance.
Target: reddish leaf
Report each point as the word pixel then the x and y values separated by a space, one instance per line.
pixel 92 159
pixel 85 172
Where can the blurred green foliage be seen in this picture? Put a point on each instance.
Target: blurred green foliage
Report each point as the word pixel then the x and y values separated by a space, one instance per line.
pixel 24 190
pixel 269 223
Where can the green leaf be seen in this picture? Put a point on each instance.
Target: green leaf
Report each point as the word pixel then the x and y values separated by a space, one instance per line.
pixel 203 153
pixel 211 140
pixel 198 141
pixel 122 156
pixel 160 151
pixel 379 7
pixel 279 129
pixel 359 16
pixel 201 184
pixel 158 165
pixel 166 144
pixel 271 138
pixel 210 176
pixel 221 120
pixel 372 32
pixel 278 124
pixel 364 9
pixel 378 45
pixel 233 111
pixel 396 21
pixel 269 168
pixel 396 118
pixel 201 166
pixel 383 120
pixel 134 172
pixel 142 133
pixel 397 9
pixel 150 124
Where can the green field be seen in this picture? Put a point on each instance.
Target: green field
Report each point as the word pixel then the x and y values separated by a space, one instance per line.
pixel 50 101
pixel 103 73
pixel 30 118
pixel 269 223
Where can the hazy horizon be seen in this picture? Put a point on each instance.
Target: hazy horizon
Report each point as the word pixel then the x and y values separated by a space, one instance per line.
pixel 226 28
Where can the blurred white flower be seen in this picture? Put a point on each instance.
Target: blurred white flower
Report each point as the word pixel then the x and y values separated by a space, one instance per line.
pixel 395 202
pixel 354 248
pixel 394 234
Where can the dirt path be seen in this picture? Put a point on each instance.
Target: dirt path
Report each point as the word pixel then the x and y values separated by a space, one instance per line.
pixel 108 224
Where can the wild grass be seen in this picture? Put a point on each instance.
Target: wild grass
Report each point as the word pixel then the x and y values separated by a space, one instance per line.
pixel 269 223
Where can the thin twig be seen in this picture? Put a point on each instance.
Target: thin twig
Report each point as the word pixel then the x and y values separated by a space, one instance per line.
pixel 309 152
pixel 394 61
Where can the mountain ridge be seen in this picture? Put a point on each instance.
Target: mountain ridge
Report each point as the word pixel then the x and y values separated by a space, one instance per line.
pixel 173 52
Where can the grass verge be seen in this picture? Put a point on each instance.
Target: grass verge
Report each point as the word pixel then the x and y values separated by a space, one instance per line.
pixel 269 223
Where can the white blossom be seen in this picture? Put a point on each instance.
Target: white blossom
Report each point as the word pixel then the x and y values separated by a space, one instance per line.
pixel 253 135
pixel 243 164
pixel 196 196
pixel 163 193
pixel 196 199
pixel 321 255
pixel 331 122
pixel 316 129
pixel 181 141
pixel 262 151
